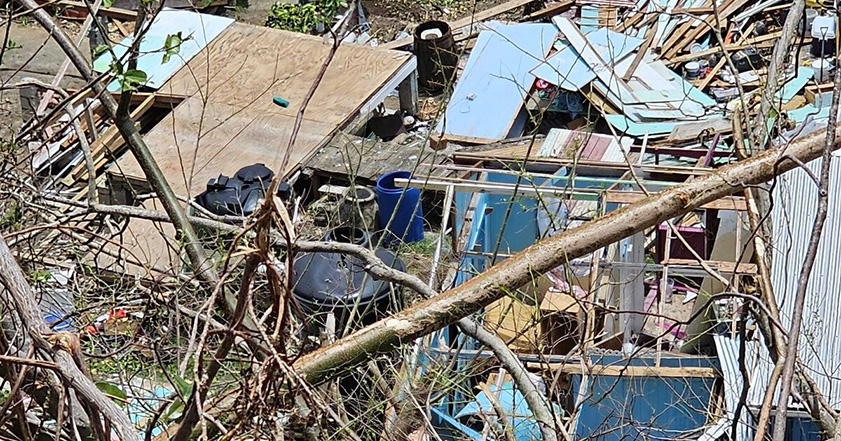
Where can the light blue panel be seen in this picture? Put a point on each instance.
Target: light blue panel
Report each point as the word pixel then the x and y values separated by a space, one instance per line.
pixel 799 115
pixel 692 92
pixel 490 93
pixel 589 18
pixel 791 88
pixel 518 415
pixel 643 407
pixel 625 126
pixel 197 30
pixel 567 70
pixel 520 229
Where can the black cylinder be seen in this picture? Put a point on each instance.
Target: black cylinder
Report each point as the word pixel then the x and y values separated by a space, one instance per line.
pixel 339 283
pixel 436 53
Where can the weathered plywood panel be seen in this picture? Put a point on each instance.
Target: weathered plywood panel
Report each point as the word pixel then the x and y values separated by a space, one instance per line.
pixel 197 142
pixel 229 120
pixel 246 66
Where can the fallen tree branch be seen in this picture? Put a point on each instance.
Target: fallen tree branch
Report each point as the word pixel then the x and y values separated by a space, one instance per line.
pixel 546 254
pixel 195 251
pixel 18 293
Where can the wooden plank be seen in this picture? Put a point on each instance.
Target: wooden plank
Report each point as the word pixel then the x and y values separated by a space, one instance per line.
pixel 726 9
pixel 772 37
pixel 726 203
pixel 610 197
pixel 109 140
pixel 649 37
pixel 702 84
pixel 552 9
pixel 473 19
pixel 488 13
pixel 471 158
pixel 118 13
pixel 629 371
pixel 720 266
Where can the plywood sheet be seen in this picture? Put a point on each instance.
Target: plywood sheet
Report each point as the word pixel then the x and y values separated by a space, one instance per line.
pixel 197 142
pixel 228 119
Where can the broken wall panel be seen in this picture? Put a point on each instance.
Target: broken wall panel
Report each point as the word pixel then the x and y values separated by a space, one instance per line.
pixel 490 94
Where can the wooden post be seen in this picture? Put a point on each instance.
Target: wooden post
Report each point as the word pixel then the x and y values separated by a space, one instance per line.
pixel 407 91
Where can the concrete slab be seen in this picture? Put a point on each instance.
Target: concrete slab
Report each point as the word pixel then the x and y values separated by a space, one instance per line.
pixel 32 53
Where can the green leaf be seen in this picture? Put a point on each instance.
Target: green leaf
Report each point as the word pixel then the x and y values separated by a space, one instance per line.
pixel 99 50
pixel 185 389
pixel 113 391
pixel 107 3
pixel 171 46
pixel 132 78
pixel 174 410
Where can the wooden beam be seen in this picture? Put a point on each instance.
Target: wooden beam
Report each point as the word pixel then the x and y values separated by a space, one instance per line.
pixel 702 84
pixel 720 266
pixel 118 13
pixel 649 37
pixel 472 19
pixel 553 9
pixel 610 197
pixel 728 203
pixel 772 37
pixel 629 371
pixel 109 140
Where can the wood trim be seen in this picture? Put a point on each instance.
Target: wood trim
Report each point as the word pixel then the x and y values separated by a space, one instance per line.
pixel 475 19
pixel 610 197
pixel 118 13
pixel 629 371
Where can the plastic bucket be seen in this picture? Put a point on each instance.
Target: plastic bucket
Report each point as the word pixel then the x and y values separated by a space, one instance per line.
pixel 407 224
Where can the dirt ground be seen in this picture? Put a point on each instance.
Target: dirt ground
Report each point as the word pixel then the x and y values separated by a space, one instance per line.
pixel 31 52
pixel 389 17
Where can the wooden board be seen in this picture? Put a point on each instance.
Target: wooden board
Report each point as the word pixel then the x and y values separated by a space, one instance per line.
pixel 231 85
pixel 228 119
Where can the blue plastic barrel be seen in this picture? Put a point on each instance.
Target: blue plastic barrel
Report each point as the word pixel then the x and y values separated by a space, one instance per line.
pixel 407 224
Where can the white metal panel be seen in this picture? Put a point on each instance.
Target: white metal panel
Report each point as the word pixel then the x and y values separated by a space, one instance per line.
pixel 734 381
pixel 794 205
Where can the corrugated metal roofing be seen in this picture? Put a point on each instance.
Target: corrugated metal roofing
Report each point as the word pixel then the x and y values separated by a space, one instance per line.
pixel 794 205
pixel 728 355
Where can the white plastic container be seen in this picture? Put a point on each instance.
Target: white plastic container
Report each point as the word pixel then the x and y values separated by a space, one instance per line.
pixel 823 69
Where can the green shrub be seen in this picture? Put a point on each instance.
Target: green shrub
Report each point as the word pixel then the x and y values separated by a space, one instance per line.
pixel 303 17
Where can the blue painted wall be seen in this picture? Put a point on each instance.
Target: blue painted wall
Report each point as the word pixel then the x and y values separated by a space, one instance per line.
pixel 625 408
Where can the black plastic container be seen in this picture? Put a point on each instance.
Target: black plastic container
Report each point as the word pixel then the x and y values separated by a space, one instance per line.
pixel 238 195
pixel 437 57
pixel 334 282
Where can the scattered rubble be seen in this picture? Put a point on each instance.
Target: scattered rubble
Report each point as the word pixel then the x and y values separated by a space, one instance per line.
pixel 445 140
